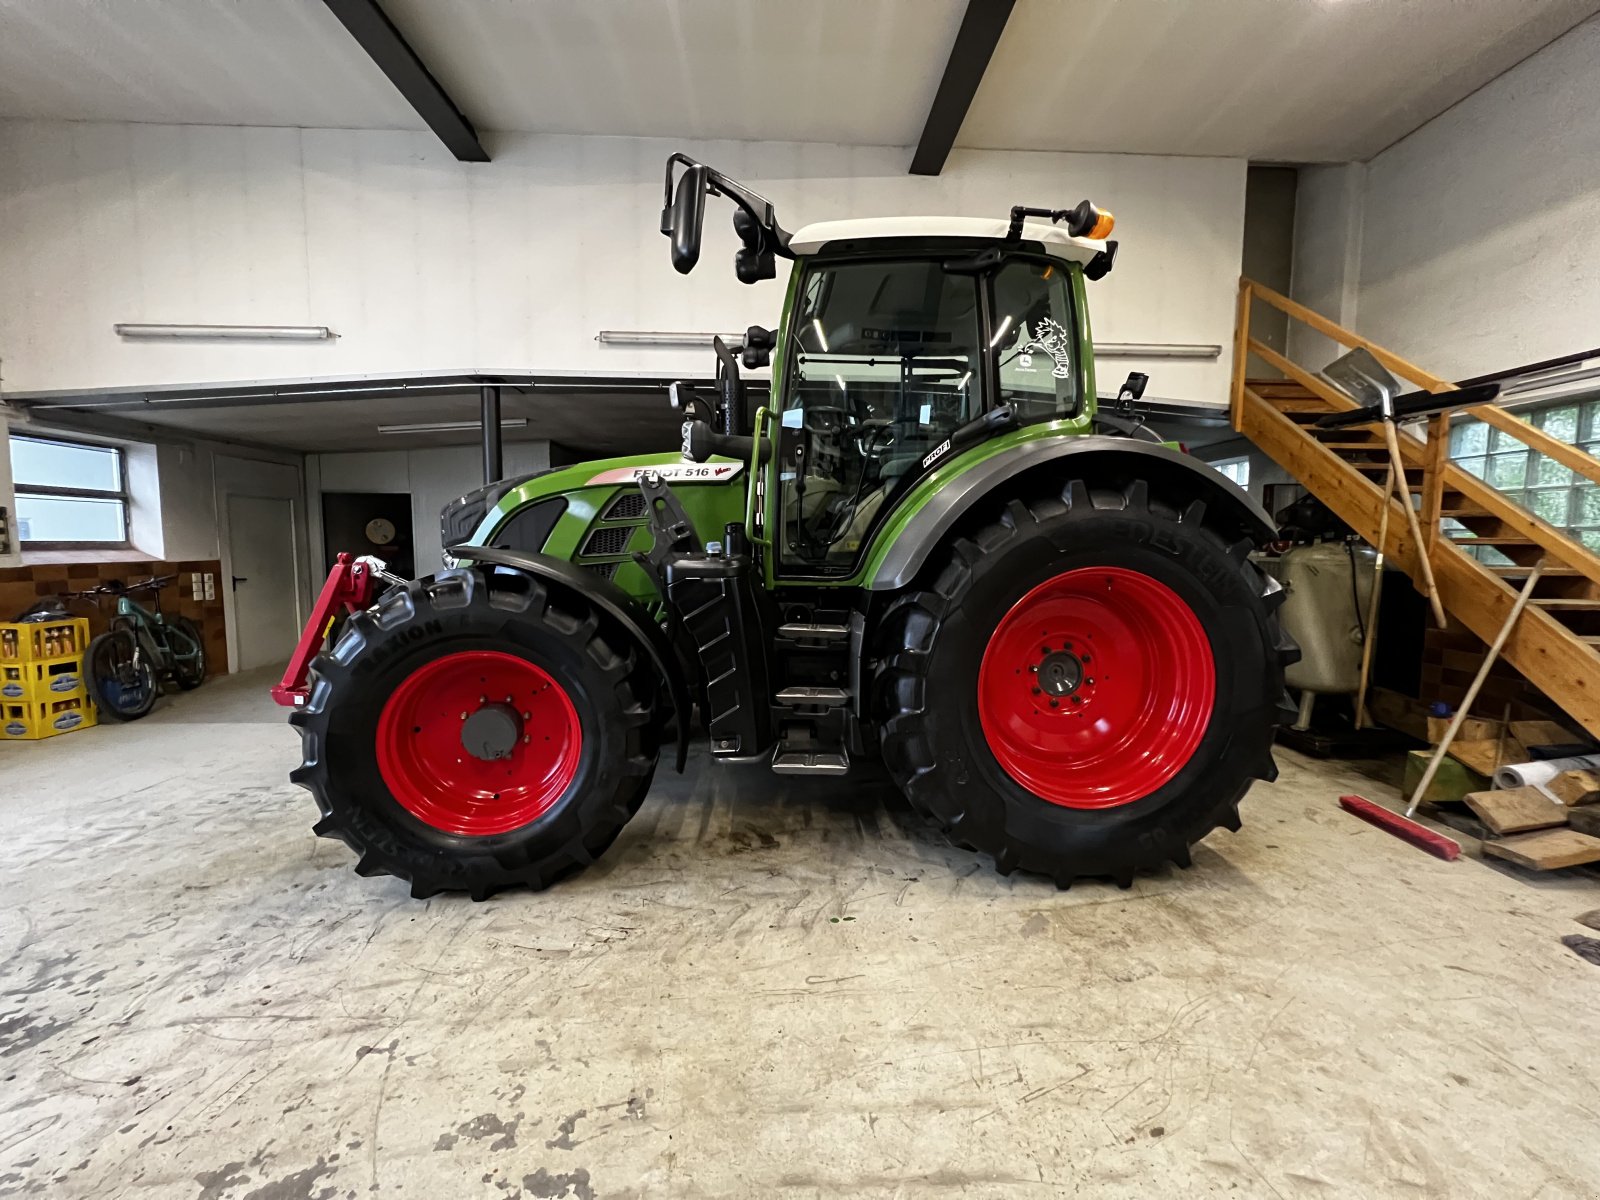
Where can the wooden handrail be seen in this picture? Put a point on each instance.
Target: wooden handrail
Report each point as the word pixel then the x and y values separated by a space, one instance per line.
pixel 1569 456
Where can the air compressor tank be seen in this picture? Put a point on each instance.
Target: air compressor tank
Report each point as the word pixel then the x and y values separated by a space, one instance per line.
pixel 1330 588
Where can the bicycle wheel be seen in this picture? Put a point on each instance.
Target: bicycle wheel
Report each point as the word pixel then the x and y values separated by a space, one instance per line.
pixel 188 653
pixel 120 677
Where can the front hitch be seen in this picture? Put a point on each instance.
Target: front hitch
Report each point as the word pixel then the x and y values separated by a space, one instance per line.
pixel 350 587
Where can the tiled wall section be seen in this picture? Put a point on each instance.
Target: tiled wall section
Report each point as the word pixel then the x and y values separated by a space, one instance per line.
pixel 20 587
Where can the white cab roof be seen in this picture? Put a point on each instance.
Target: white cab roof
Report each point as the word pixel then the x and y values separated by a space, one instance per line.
pixel 1057 242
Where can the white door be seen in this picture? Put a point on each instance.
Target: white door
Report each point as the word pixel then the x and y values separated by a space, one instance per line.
pixel 261 538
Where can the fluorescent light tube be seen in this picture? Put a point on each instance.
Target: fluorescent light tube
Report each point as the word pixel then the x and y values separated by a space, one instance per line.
pixel 448 426
pixel 224 333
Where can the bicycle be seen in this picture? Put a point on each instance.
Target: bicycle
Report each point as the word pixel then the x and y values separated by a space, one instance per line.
pixel 128 662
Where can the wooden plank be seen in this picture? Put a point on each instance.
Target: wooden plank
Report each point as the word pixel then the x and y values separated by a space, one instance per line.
pixel 1473 729
pixel 1516 810
pixel 1542 733
pixel 1573 788
pixel 1547 850
pixel 1585 819
pixel 1487 755
pixel 1434 475
pixel 1241 342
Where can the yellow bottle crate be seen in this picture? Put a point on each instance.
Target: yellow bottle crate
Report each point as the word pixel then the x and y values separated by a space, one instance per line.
pixel 44 641
pixel 31 720
pixel 60 679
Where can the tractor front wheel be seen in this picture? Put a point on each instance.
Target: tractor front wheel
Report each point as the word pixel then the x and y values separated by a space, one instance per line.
pixel 1086 686
pixel 476 731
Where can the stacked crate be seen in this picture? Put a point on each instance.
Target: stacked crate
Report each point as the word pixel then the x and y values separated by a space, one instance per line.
pixel 44 690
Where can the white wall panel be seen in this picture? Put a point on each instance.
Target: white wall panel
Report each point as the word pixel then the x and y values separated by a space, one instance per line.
pixel 1477 237
pixel 422 263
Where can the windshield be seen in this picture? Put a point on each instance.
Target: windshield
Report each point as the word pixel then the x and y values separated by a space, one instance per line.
pixel 883 366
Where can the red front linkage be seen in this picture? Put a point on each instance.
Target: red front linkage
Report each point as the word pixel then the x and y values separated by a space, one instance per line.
pixel 350 586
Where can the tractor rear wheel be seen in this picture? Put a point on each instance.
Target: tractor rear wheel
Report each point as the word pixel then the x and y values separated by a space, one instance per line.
pixel 1086 686
pixel 477 730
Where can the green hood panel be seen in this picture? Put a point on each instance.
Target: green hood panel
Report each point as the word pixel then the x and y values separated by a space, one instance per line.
pixel 712 493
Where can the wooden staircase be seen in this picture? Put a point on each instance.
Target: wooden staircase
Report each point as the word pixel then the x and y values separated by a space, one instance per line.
pixel 1556 641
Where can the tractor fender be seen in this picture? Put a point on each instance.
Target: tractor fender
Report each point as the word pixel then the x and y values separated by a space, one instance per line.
pixel 1098 455
pixel 609 599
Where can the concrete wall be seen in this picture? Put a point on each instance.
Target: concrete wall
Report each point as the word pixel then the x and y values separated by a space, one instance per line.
pixel 420 262
pixel 1269 229
pixel 432 476
pixel 1478 236
pixel 1327 255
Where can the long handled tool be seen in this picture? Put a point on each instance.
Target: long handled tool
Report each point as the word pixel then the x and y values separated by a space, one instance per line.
pixel 1398 466
pixel 1403 827
pixel 1372 607
pixel 1477 682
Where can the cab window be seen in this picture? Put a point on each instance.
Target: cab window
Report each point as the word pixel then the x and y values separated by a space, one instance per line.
pixel 1035 340
pixel 884 364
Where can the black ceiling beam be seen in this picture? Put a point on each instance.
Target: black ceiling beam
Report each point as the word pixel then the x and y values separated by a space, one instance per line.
pixel 371 27
pixel 979 34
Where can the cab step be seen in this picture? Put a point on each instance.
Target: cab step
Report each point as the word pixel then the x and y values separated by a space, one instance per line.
pixel 808 631
pixel 813 697
pixel 810 762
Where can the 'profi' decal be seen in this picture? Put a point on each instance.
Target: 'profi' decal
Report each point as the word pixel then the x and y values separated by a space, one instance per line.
pixel 671 473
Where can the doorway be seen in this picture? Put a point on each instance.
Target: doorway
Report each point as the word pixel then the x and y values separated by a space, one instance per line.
pixel 377 523
pixel 265 579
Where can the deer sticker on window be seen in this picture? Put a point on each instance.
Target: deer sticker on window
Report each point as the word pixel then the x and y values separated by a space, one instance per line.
pixel 1048 337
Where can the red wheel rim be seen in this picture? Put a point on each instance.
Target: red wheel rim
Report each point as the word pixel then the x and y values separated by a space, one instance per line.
pixel 1130 670
pixel 478 743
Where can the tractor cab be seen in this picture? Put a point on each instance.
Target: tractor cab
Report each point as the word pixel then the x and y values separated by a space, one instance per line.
pixel 904 341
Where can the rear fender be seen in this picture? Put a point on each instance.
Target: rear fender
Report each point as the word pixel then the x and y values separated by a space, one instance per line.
pixel 609 599
pixel 1057 461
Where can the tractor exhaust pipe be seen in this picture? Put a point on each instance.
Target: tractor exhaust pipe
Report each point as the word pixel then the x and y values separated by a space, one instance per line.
pixel 493 460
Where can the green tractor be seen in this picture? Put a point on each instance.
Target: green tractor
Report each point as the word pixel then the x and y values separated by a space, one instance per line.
pixel 926 547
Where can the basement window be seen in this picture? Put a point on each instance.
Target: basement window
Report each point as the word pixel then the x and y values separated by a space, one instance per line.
pixel 70 495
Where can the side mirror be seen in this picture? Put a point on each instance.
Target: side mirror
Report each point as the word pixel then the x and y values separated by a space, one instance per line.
pixel 686 218
pixel 758 346
pixel 1133 387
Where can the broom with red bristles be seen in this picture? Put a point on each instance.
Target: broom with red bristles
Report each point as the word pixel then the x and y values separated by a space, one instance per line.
pixel 1402 826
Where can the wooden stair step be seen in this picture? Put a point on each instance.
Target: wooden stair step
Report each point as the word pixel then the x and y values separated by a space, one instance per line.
pixel 1491 540
pixel 1515 571
pixel 1372 445
pixel 1565 602
pixel 1467 513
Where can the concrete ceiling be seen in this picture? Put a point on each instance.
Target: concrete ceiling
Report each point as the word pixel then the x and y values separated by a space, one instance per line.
pixel 1286 80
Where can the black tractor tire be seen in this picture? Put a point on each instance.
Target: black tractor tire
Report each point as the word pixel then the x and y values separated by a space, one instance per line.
pixel 190 674
pixel 932 644
pixel 611 687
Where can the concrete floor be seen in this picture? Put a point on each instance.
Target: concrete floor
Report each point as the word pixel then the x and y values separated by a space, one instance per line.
pixel 768 987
